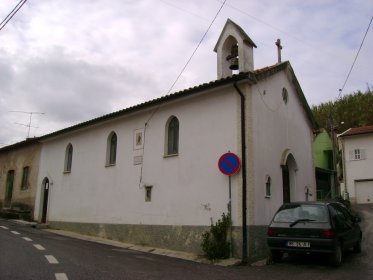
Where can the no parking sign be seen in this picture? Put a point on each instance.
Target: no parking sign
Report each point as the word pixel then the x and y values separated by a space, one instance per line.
pixel 229 164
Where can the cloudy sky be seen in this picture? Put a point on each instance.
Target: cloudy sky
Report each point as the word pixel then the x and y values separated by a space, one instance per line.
pixel 77 60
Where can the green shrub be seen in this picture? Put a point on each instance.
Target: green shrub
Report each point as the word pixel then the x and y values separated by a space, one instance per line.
pixel 214 242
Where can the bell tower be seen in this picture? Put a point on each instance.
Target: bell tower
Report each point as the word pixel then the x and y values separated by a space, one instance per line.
pixel 234 50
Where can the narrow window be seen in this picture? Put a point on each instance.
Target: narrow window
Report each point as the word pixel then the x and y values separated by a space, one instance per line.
pixel 268 187
pixel 111 151
pixel 172 131
pixel 357 154
pixel 148 193
pixel 68 158
pixel 25 176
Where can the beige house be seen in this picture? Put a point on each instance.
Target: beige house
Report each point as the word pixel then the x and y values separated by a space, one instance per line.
pixel 357 151
pixel 19 165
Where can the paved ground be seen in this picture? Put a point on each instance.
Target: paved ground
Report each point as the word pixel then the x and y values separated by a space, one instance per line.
pixel 107 259
pixel 145 249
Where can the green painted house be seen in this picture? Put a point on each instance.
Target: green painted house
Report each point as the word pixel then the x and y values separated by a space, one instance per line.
pixel 325 171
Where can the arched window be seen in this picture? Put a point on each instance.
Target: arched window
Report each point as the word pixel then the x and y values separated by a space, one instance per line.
pixel 111 154
pixel 68 158
pixel 172 136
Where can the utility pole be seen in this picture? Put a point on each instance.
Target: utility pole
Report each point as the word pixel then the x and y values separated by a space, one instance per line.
pixel 332 127
pixel 30 120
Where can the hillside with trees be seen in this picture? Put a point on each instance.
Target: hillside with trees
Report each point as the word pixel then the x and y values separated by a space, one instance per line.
pixel 352 110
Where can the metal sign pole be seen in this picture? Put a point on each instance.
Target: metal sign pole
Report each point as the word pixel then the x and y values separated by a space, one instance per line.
pixel 230 214
pixel 229 164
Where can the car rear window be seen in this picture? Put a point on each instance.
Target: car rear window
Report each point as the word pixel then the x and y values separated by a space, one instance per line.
pixel 295 212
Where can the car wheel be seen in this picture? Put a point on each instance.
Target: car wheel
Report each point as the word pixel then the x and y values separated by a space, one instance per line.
pixel 336 256
pixel 357 247
pixel 276 256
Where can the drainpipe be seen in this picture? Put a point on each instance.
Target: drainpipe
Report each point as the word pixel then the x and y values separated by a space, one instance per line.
pixel 243 157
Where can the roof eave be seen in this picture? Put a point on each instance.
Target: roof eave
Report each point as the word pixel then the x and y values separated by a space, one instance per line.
pixel 152 103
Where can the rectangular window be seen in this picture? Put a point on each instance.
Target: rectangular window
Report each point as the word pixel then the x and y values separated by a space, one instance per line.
pixel 25 176
pixel 268 187
pixel 148 193
pixel 357 154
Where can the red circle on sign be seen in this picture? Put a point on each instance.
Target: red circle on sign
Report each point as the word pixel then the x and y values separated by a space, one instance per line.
pixel 229 164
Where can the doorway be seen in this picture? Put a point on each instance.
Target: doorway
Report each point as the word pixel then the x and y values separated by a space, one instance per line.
pixel 286 184
pixel 45 200
pixel 289 169
pixel 9 189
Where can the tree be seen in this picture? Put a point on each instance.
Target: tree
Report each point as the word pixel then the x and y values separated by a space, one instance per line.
pixel 352 110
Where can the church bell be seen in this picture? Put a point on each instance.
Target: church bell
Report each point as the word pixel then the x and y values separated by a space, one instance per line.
pixel 234 64
pixel 233 58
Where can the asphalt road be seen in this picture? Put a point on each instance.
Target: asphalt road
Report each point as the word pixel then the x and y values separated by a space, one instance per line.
pixel 28 253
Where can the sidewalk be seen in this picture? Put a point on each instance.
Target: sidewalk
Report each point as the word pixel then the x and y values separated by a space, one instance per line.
pixel 157 251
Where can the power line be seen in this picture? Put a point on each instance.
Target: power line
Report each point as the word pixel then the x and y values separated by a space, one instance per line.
pixel 181 72
pixel 187 63
pixel 203 37
pixel 12 13
pixel 184 10
pixel 357 54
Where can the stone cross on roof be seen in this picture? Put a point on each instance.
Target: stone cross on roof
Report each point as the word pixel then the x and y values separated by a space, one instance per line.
pixel 279 48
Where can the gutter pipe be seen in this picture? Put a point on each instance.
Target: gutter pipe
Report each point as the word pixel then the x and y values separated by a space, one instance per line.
pixel 244 174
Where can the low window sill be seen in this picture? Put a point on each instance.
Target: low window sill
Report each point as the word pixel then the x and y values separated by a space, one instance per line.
pixel 66 172
pixel 267 197
pixel 110 165
pixel 170 155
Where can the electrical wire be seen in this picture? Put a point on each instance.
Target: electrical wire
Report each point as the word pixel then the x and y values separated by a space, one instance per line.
pixel 181 72
pixel 357 54
pixel 12 13
pixel 187 63
pixel 203 37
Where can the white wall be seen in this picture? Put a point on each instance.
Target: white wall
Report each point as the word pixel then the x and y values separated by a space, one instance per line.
pixel 277 128
pixel 187 189
pixel 358 169
pixel 182 185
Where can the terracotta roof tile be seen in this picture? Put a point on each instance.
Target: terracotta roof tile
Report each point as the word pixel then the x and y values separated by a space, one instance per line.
pixel 357 131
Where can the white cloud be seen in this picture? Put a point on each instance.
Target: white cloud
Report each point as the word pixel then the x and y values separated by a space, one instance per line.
pixel 76 60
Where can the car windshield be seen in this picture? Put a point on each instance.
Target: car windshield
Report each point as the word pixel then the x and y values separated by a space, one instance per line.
pixel 301 212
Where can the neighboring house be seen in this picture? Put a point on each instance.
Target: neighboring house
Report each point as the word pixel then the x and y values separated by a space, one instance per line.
pixel 19 164
pixel 325 170
pixel 149 174
pixel 357 151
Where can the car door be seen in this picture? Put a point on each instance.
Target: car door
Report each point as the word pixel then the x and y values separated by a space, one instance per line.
pixel 344 225
pixel 351 221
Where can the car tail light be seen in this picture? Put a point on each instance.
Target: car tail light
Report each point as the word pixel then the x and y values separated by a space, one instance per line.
pixel 271 232
pixel 328 233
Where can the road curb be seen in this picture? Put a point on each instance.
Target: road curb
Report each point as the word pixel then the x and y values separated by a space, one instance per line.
pixel 147 249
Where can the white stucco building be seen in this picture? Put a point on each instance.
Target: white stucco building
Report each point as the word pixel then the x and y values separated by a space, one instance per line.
pixel 357 152
pixel 149 174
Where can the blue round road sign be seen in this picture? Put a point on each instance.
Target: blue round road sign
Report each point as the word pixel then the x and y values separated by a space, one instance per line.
pixel 229 164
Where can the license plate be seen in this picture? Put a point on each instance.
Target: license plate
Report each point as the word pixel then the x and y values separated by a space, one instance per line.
pixel 299 244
